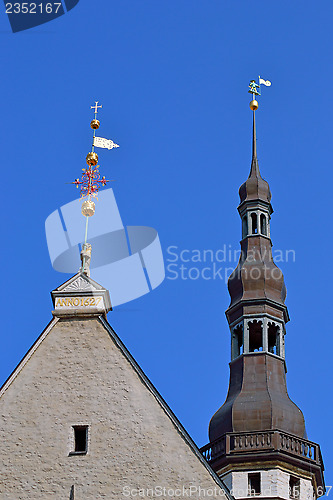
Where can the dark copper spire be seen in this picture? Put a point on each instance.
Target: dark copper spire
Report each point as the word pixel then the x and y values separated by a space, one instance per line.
pixel 257 316
pixel 255 188
pixel 256 276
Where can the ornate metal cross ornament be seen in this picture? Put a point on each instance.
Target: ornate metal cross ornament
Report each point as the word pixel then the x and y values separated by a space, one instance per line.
pixel 90 181
pixel 89 184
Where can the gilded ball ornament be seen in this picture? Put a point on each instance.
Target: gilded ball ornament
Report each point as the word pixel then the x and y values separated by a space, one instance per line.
pixel 88 208
pixel 92 159
pixel 254 105
pixel 95 124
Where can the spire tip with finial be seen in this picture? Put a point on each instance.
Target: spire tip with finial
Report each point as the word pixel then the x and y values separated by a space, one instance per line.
pixel 90 184
pixel 255 90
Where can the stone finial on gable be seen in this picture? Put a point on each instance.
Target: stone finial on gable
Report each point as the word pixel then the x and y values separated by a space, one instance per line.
pixel 85 258
pixel 80 296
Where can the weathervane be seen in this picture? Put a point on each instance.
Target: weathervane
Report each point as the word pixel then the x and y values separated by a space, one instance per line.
pixel 256 90
pixel 90 183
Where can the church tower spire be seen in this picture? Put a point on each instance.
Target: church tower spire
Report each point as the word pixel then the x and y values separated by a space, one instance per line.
pixel 258 436
pixel 257 313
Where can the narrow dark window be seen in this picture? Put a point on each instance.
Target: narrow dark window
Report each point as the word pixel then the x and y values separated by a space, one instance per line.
pixel 255 336
pixel 80 438
pixel 244 226
pixel 238 343
pixel 254 484
pixel 273 339
pixel 254 220
pixel 294 487
pixel 263 224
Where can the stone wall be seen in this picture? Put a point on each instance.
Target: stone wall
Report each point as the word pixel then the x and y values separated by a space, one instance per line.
pixel 274 484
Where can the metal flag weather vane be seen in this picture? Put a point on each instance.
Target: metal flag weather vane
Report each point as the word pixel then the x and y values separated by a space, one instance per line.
pixel 90 183
pixel 255 90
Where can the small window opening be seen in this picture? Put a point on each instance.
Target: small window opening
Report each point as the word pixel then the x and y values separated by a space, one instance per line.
pixel 255 336
pixel 254 486
pixel 80 438
pixel 294 487
pixel 273 339
pixel 238 341
pixel 254 220
pixel 244 226
pixel 263 224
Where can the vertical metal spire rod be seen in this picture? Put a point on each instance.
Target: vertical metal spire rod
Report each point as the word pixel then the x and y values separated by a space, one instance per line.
pixel 86 231
pixel 254 106
pixel 254 137
pixel 255 90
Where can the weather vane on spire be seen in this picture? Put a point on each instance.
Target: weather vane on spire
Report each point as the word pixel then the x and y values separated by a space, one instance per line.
pixel 256 90
pixel 90 183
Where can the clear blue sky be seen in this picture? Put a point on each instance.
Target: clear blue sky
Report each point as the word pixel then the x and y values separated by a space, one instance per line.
pixel 172 77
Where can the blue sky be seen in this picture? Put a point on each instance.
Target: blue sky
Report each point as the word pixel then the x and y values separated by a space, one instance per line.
pixel 172 77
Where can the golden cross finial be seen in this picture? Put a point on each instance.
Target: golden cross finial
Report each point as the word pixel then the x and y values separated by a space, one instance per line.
pixel 95 108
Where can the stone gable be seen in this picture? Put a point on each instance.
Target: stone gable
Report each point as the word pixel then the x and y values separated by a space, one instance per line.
pixel 80 374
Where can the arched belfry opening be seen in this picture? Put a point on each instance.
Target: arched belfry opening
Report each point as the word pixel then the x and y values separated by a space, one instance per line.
pixel 263 224
pixel 254 223
pixel 273 332
pixel 237 346
pixel 255 336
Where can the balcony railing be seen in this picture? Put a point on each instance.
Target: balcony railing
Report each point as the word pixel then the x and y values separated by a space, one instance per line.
pixel 238 442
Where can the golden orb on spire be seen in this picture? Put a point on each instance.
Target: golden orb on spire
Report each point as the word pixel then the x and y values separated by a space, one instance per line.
pixel 254 105
pixel 95 124
pixel 92 159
